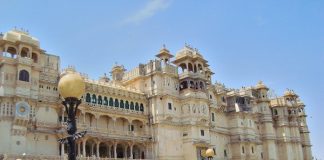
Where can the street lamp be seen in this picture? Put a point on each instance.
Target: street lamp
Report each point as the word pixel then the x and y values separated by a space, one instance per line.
pixel 71 87
pixel 210 153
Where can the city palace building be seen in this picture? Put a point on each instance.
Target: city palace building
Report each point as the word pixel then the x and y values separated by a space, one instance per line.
pixel 166 109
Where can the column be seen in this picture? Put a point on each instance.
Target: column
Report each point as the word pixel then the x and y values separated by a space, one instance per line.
pixel 147 151
pixel 131 151
pixel 79 149
pixel 98 144
pixel 115 150
pixel 187 66
pixel 125 151
pixel 62 150
pixel 91 152
pixel 84 147
pixel 109 151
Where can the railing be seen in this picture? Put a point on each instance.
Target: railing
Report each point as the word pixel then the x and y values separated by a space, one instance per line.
pixel 54 157
pixel 186 74
pixel 24 60
pixel 34 157
pixel 132 74
pixel 170 69
pixel 109 133
pixel 107 107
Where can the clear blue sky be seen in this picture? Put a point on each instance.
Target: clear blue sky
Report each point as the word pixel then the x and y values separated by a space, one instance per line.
pixel 279 42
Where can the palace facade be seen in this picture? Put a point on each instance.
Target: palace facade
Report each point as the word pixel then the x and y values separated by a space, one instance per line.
pixel 167 109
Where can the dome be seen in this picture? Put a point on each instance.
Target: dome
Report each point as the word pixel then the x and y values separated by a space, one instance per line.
pixel 261 85
pixel 290 93
pixel 20 35
pixel 185 51
pixel 164 53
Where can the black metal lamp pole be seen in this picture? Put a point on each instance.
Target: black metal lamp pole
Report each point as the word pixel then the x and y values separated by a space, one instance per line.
pixel 71 106
pixel 71 87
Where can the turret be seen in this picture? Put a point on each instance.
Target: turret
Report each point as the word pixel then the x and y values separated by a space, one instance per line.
pixel 194 72
pixel 164 55
pixel 262 90
pixel 117 72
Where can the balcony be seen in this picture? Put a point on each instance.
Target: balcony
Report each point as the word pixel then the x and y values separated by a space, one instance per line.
pixel 239 108
pixel 114 134
pixel 24 60
pixel 187 74
pixel 112 108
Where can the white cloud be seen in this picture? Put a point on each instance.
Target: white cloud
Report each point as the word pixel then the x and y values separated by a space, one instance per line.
pixel 150 9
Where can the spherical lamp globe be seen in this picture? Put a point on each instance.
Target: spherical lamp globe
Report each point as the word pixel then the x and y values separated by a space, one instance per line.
pixel 210 152
pixel 71 85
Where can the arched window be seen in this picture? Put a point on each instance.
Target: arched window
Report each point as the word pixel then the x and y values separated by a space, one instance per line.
pixel 126 105
pixel 183 85
pixel 34 57
pixel 116 103
pixel 12 52
pixel 243 149
pixel 192 84
pixel 195 68
pixel 24 52
pixel 105 101
pixel 252 149
pixel 141 107
pixel 136 107
pixel 111 102
pixel 132 106
pixel 94 98
pixel 99 100
pixel 190 68
pixel 200 68
pixel 24 76
pixel 183 67
pixel 201 85
pixel 275 112
pixel 88 98
pixel 121 104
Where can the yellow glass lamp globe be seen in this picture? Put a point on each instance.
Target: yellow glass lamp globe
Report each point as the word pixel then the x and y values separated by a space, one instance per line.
pixel 71 85
pixel 210 153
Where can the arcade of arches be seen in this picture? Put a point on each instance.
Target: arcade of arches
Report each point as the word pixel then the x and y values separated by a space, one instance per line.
pixel 93 147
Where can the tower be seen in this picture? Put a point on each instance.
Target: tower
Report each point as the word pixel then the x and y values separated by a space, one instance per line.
pixel 265 122
pixel 164 55
pixel 194 101
pixel 284 111
pixel 244 141
pixel 304 132
pixel 28 93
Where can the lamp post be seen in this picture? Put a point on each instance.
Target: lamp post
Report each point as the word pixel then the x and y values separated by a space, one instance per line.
pixel 210 153
pixel 71 87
